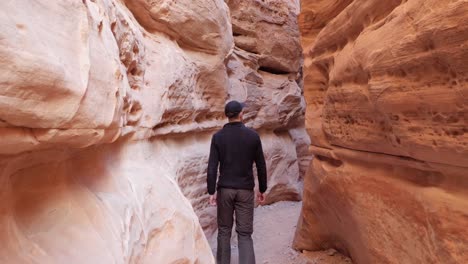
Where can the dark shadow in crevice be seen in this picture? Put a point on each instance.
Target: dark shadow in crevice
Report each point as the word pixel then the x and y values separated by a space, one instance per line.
pixel 272 70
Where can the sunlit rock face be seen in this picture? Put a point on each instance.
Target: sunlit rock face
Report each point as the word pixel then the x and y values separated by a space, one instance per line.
pixel 386 89
pixel 106 114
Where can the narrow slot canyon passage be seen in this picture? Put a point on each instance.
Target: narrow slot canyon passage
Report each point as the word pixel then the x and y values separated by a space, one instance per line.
pixel 108 110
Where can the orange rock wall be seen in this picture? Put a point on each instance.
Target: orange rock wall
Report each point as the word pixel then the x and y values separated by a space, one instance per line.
pixel 386 84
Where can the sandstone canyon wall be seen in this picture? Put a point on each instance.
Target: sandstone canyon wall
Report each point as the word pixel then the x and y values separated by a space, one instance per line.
pixel 106 113
pixel 386 85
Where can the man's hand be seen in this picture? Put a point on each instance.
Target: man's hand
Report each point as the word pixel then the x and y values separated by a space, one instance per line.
pixel 260 198
pixel 213 199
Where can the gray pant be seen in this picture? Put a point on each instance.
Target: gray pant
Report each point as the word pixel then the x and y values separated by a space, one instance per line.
pixel 242 203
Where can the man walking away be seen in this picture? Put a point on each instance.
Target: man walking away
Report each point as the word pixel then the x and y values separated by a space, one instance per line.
pixel 235 148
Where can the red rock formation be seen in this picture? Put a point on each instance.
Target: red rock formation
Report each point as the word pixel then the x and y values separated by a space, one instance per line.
pixel 386 87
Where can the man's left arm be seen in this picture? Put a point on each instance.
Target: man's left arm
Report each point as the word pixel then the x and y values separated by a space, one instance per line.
pixel 261 171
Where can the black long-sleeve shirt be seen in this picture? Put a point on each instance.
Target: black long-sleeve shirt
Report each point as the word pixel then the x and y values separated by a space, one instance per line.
pixel 235 148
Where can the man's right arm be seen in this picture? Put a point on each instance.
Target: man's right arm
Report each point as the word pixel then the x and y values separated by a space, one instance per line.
pixel 213 163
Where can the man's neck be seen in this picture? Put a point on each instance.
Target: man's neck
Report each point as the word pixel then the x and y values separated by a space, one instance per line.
pixel 236 120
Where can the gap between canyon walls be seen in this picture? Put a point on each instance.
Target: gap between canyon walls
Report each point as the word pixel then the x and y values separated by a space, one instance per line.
pixel 107 109
pixel 275 104
pixel 386 91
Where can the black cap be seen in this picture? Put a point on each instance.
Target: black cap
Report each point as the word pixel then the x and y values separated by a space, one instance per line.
pixel 233 108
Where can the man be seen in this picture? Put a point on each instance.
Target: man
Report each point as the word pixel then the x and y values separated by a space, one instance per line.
pixel 235 148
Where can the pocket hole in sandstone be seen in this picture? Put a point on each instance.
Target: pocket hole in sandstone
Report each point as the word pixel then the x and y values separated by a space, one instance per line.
pixel 126 104
pixel 135 108
pixel 403 73
pixel 430 45
pixel 452 119
pixel 113 24
pixel 414 129
pixel 438 118
pixel 135 113
pixel 361 78
pixel 272 70
pixel 134 86
pixel 203 116
pixel 456 133
pixel 337 84
pixel 135 48
pixel 453 74
pixel 100 26
pixel 330 161
pixel 132 68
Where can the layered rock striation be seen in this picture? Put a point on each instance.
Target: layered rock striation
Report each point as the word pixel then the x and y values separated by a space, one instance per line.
pixel 106 114
pixel 386 88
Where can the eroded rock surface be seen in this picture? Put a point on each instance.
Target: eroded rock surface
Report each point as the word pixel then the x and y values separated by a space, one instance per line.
pixel 106 114
pixel 386 87
pixel 115 203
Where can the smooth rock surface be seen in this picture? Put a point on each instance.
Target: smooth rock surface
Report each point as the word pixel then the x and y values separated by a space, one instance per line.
pixel 386 88
pixel 106 114
pixel 116 203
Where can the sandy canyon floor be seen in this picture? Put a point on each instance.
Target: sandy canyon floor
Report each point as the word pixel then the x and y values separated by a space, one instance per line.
pixel 274 228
